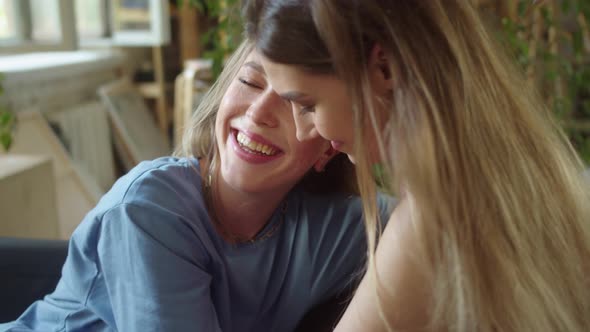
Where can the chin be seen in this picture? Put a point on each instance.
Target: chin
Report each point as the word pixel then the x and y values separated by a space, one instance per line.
pixel 243 186
pixel 246 185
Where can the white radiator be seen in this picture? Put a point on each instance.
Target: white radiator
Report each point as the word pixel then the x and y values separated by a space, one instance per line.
pixel 85 132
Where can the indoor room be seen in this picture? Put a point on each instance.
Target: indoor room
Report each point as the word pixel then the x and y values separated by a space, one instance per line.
pixel 246 161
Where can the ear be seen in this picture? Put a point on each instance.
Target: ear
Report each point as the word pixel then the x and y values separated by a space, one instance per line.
pixel 321 163
pixel 380 69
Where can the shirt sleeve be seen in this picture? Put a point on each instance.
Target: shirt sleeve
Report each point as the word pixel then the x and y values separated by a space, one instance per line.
pixel 154 271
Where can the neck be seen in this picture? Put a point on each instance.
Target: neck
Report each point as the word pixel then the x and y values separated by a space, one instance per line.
pixel 239 215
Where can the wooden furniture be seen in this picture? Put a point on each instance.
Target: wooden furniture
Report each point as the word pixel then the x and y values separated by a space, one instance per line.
pixel 189 88
pixel 74 193
pixel 135 133
pixel 188 31
pixel 185 46
pixel 157 89
pixel 28 206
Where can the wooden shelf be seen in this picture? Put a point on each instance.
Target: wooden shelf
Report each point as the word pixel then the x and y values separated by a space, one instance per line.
pixel 152 89
pixel 149 89
pixel 185 46
pixel 28 206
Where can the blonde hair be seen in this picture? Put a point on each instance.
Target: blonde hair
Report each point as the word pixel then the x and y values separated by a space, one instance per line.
pixel 198 139
pixel 501 207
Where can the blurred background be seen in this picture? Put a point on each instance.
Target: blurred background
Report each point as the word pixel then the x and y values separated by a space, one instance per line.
pixel 89 88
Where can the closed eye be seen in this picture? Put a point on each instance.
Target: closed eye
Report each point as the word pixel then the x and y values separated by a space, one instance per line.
pixel 249 83
pixel 306 109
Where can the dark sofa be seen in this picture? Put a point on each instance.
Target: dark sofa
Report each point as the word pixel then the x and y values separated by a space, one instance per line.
pixel 29 269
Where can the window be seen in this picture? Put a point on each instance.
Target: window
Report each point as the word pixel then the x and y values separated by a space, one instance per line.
pixel 52 25
pixel 45 20
pixel 92 19
pixel 36 25
pixel 7 22
pixel 141 22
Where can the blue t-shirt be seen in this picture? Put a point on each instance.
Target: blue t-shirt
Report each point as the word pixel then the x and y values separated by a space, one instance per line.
pixel 147 258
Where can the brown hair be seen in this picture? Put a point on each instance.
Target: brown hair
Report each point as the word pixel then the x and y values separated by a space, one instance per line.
pixel 199 137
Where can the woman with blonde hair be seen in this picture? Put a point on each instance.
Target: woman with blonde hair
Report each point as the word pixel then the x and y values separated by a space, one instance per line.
pixel 492 232
pixel 231 236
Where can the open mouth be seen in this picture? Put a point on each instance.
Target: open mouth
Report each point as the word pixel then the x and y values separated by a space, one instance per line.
pixel 253 146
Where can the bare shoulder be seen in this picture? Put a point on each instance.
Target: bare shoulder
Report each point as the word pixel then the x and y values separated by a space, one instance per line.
pixel 403 287
pixel 398 264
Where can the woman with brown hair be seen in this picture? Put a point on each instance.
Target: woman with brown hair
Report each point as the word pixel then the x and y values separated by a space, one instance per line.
pixel 493 229
pixel 239 233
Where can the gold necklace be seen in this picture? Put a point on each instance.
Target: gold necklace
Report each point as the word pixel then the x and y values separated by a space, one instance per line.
pixel 227 234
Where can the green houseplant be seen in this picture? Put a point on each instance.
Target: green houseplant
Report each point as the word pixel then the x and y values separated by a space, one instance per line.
pixel 551 41
pixel 7 123
pixel 225 32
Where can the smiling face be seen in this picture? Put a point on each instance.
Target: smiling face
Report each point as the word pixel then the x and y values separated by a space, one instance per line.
pixel 321 104
pixel 255 133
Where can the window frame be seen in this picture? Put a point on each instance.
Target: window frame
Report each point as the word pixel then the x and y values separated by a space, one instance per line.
pixel 157 35
pixel 106 35
pixel 23 42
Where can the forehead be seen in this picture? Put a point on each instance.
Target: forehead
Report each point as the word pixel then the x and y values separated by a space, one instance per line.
pixel 293 82
pixel 254 61
pixel 252 55
pixel 283 77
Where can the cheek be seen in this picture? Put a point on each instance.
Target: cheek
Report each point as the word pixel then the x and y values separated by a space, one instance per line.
pixel 337 126
pixel 220 127
pixel 309 152
pixel 304 123
pixel 234 101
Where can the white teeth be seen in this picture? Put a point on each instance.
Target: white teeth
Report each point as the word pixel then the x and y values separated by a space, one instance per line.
pixel 254 146
pixel 242 138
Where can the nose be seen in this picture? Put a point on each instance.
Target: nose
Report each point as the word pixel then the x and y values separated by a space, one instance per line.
pixel 305 128
pixel 263 111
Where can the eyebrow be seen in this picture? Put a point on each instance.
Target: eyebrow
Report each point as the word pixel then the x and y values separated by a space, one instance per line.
pixel 293 95
pixel 290 96
pixel 254 65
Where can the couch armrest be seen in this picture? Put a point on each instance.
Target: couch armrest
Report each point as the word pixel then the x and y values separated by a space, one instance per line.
pixel 30 269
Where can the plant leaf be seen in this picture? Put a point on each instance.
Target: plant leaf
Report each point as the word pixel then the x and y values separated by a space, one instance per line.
pixel 6 140
pixel 6 118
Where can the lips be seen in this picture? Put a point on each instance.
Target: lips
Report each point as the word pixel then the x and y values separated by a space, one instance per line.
pixel 336 145
pixel 253 148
